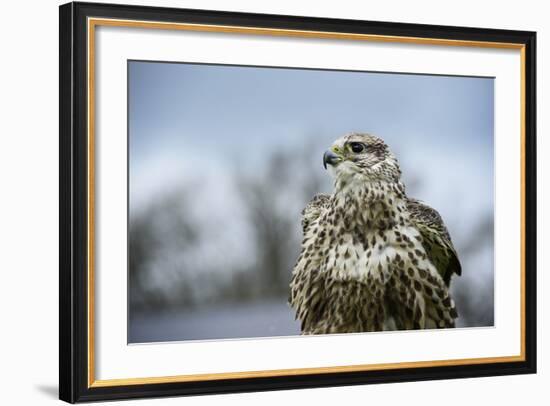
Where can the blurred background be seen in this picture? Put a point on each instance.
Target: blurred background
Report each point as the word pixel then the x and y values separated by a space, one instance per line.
pixel 222 159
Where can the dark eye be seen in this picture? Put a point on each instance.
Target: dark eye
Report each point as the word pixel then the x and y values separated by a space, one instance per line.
pixel 356 147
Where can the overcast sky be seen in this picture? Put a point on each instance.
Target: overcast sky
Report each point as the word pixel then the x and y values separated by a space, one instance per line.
pixel 191 121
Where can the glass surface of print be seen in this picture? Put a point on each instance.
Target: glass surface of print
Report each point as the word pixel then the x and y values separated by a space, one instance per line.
pixel 223 159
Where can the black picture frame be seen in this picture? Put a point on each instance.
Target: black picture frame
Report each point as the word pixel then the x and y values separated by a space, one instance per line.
pixel 74 199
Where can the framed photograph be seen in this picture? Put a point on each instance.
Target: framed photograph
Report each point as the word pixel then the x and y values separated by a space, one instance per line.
pixel 255 202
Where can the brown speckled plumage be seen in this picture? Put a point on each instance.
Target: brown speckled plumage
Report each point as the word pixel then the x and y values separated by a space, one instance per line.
pixel 372 259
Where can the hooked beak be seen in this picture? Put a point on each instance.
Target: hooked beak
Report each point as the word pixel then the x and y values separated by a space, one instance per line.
pixel 330 158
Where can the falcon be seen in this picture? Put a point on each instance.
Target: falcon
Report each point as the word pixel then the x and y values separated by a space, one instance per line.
pixel 372 259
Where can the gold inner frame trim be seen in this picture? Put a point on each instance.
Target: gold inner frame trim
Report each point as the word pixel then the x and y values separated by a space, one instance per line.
pixel 94 22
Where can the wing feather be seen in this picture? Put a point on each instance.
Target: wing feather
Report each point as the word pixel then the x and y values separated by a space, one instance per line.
pixel 306 287
pixel 435 239
pixel 316 206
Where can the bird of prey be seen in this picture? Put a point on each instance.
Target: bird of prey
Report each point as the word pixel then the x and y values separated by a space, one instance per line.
pixel 372 259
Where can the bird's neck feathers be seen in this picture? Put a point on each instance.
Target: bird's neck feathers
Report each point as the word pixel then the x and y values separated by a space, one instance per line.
pixel 371 203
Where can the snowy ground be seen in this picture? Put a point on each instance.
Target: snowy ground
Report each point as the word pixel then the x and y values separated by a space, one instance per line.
pixel 260 319
pixel 263 319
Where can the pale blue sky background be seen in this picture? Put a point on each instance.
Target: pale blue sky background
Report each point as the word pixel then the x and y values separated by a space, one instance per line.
pixel 185 104
pixel 182 113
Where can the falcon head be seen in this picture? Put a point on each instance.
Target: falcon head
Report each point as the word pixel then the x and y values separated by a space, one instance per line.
pixel 362 157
